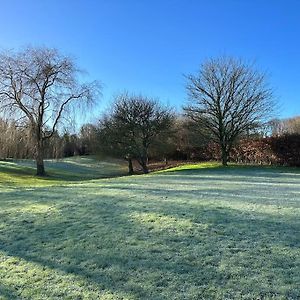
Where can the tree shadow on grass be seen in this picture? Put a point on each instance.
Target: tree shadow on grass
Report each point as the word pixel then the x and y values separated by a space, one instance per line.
pixel 60 171
pixel 161 249
pixel 8 293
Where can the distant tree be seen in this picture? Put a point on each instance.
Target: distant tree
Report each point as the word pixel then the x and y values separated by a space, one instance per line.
pixel 70 144
pixel 133 126
pixel 88 139
pixel 15 141
pixel 192 136
pixel 40 85
pixel 292 125
pixel 164 145
pixel 276 127
pixel 229 98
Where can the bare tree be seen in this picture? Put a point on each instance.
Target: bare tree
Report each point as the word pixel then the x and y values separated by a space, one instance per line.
pixel 40 85
pixel 279 127
pixel 229 98
pixel 133 125
pixel 276 127
pixel 292 125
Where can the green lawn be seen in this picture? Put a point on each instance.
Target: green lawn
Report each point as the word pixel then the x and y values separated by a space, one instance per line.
pixel 22 172
pixel 200 232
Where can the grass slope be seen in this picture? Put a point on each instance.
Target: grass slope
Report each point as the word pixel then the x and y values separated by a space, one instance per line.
pixel 22 172
pixel 198 233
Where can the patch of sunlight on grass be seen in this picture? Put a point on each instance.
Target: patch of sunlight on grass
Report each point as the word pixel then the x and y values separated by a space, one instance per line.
pixel 11 180
pixel 33 208
pixel 255 208
pixel 23 279
pixel 159 222
pixel 187 167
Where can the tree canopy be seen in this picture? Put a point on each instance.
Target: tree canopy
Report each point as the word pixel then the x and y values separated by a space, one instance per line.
pixel 228 97
pixel 133 125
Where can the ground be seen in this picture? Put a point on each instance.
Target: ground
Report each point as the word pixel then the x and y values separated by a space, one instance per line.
pixel 193 232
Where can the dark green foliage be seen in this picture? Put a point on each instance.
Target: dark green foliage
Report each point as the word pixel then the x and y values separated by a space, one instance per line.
pixel 135 124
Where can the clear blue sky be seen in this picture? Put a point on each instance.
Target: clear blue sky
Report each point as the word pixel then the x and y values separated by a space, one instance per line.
pixel 146 46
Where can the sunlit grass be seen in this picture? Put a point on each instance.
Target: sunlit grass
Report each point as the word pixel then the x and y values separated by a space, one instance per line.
pixel 199 232
pixel 190 167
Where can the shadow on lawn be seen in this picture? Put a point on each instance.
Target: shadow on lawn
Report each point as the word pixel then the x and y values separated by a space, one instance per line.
pixel 234 254
pixel 13 169
pixel 69 173
pixel 8 293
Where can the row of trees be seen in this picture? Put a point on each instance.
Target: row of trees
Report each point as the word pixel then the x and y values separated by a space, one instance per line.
pixel 17 142
pixel 39 87
pixel 183 140
pixel 288 126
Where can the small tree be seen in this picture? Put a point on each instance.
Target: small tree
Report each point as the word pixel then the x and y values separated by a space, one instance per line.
pixel 133 125
pixel 40 85
pixel 229 98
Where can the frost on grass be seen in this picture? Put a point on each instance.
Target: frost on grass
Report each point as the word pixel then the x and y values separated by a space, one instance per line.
pixel 205 233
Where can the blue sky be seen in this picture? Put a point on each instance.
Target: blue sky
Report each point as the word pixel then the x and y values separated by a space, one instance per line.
pixel 147 46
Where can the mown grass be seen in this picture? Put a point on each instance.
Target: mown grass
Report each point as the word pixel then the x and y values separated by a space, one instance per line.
pixel 193 233
pixel 22 172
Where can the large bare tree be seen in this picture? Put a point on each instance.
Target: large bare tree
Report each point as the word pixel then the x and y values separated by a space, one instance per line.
pixel 228 97
pixel 39 86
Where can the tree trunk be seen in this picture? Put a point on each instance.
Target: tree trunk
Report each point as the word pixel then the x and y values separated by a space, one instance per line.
pixel 166 161
pixel 130 166
pixel 40 168
pixel 145 168
pixel 143 164
pixel 225 154
pixel 144 160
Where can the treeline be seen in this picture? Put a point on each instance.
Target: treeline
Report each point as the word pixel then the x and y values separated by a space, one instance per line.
pixel 276 143
pixel 183 141
pixel 16 142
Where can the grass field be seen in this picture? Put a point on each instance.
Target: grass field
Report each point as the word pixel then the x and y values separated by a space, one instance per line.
pixel 197 232
pixel 22 172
